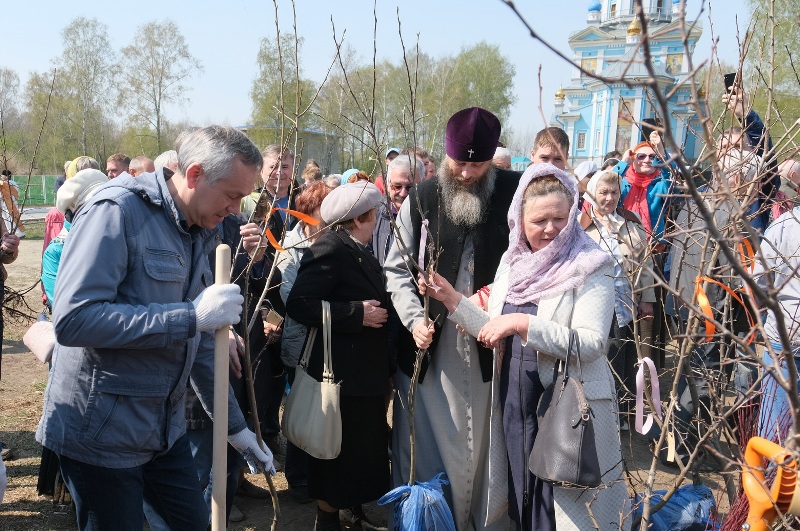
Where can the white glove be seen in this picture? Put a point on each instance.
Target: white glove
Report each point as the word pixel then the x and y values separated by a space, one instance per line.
pixel 218 306
pixel 257 459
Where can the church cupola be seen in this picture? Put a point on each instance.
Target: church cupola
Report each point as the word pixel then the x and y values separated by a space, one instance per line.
pixel 634 31
pixel 561 97
pixel 560 94
pixel 595 9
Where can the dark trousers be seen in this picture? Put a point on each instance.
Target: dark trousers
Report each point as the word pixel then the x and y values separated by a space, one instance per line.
pixel 653 332
pixel 693 418
pixel 622 357
pixel 201 442
pixel 530 499
pixel 112 498
pixel 268 384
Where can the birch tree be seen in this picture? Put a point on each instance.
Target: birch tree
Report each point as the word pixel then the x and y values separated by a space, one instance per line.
pixel 87 65
pixel 155 68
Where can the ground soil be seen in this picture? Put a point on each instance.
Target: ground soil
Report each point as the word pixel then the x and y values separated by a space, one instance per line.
pixel 21 391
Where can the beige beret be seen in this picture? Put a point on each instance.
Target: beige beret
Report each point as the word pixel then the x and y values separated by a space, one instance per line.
pixel 349 201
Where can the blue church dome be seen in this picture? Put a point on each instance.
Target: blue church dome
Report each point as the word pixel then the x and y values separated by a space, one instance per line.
pixel 676 2
pixel 597 6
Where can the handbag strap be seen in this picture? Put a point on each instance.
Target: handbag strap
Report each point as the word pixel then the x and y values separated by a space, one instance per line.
pixel 312 336
pixel 327 363
pixel 574 344
pixel 563 363
pixel 575 340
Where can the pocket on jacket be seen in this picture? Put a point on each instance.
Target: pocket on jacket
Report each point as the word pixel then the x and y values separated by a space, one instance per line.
pixel 599 390
pixel 164 265
pixel 126 411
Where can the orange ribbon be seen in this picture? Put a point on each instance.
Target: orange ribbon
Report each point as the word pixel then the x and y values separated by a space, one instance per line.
pixel 305 218
pixel 273 241
pixel 705 306
pixel 748 259
pixel 745 249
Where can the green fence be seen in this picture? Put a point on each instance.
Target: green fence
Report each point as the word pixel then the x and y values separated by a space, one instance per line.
pixel 39 189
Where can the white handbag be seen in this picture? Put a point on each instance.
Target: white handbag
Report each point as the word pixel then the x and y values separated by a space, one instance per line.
pixel 312 420
pixel 41 338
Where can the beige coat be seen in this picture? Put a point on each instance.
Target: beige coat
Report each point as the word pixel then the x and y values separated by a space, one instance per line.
pixel 587 310
pixel 634 249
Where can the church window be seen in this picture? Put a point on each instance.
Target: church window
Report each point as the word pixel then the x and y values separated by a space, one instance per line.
pixel 581 140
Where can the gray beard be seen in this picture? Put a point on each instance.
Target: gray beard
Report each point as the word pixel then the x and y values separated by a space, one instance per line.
pixel 464 206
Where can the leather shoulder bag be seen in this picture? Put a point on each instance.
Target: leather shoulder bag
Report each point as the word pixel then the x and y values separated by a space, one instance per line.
pixel 564 451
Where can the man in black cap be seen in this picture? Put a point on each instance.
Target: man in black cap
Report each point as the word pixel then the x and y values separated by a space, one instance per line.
pixel 463 215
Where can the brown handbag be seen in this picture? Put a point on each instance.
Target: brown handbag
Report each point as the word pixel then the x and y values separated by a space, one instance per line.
pixel 564 451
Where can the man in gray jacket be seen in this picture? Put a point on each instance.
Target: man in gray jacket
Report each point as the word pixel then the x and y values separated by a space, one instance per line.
pixel 134 308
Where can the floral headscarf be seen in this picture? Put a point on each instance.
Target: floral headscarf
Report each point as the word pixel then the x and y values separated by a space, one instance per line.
pixel 562 265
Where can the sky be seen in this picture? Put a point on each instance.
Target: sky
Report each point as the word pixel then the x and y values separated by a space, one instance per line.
pixel 225 37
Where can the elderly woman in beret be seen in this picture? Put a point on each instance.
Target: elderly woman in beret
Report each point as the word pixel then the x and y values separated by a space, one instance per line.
pixel 340 269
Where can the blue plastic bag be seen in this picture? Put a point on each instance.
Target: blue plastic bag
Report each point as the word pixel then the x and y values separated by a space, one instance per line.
pixel 691 508
pixel 421 506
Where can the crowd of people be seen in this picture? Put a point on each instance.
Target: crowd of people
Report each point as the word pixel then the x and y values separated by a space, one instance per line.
pixel 487 270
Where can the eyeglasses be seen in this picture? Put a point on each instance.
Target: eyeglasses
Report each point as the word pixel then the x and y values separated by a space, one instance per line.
pixel 399 187
pixel 643 156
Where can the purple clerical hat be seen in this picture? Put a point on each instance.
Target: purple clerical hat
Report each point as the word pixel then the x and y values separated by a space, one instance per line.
pixel 472 135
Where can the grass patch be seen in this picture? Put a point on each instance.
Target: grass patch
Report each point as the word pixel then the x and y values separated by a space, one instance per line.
pixel 34 230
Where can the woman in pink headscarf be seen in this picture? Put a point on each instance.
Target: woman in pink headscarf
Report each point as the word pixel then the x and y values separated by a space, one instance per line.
pixel 552 280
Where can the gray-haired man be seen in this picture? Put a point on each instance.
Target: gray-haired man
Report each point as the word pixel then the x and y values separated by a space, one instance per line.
pixel 133 299
pixel 404 171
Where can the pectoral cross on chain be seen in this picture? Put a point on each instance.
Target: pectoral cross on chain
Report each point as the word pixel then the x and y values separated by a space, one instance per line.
pixel 470 151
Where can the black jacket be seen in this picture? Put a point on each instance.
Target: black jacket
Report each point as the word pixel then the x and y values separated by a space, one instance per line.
pixel 196 417
pixel 338 270
pixel 274 221
pixel 490 240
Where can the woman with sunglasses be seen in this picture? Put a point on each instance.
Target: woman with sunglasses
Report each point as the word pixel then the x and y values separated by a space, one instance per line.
pixel 645 184
pixel 645 187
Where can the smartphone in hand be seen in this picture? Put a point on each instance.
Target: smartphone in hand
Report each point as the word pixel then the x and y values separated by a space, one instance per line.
pixel 272 317
pixel 730 81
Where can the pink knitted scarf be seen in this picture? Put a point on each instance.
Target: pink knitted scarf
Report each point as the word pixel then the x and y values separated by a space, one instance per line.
pixel 561 266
